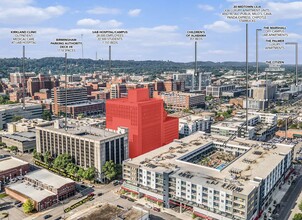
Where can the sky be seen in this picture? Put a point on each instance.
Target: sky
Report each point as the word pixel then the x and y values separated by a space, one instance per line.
pixel 156 29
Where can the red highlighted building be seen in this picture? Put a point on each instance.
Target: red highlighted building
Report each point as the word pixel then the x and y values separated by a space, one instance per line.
pixel 148 123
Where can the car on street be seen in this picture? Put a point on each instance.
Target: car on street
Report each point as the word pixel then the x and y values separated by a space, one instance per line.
pixel 123 197
pixel 156 209
pixel 100 194
pixel 131 200
pixel 19 205
pixel 47 216
pixel 58 218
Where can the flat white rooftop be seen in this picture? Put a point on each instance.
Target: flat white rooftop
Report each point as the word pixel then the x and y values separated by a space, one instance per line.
pixel 257 160
pixel 48 178
pixel 36 193
pixel 10 163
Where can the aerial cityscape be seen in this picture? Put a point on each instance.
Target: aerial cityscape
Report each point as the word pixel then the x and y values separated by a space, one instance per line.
pixel 159 110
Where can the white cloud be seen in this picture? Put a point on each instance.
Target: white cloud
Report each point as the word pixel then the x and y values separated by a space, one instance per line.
pixel 294 36
pixel 289 10
pixel 219 52
pixel 104 10
pixel 29 14
pixel 15 3
pixel 95 22
pixel 206 7
pixel 222 27
pixel 246 1
pixel 165 28
pixel 134 12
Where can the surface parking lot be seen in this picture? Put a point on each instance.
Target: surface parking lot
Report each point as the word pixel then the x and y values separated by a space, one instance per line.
pixel 7 204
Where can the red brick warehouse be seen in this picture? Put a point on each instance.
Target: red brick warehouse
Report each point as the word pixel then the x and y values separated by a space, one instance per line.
pixel 148 123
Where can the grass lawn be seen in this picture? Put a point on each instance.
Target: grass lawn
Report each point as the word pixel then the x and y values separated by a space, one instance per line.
pixel 2 195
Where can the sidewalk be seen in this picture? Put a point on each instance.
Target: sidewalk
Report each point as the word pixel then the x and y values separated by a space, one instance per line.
pixel 177 215
pixel 277 196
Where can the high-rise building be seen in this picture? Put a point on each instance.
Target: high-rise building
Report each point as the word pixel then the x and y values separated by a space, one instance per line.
pixel 17 77
pixel 42 81
pixel 148 123
pixel 87 145
pixel 75 95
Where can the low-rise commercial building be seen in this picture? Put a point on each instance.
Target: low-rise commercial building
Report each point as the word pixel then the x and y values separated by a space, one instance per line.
pixel 88 145
pixel 217 90
pixel 11 167
pixel 210 177
pixel 43 188
pixel 24 141
pixel 181 100
pixel 7 112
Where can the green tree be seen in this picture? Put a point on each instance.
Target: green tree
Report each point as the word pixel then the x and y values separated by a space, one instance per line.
pixel 62 161
pixel 274 111
pixel 89 174
pixel 46 115
pixel 13 148
pixel 47 157
pixel 110 169
pixel 28 206
pixel 300 206
pixel 80 172
pixel 297 216
pixel 16 118
pixel 81 115
pixel 37 155
pixel 72 169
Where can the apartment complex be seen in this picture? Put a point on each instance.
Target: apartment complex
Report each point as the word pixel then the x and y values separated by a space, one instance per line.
pixel 261 126
pixel 201 79
pixel 7 112
pixel 192 123
pixel 210 177
pixel 88 145
pixel 181 100
pixel 148 123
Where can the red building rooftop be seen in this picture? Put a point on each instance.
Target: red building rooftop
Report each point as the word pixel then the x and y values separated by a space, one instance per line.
pixel 148 123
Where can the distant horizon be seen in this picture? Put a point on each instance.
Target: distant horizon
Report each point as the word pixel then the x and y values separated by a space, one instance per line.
pixel 198 61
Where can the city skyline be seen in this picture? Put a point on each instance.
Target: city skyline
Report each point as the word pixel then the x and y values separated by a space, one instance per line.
pixel 155 32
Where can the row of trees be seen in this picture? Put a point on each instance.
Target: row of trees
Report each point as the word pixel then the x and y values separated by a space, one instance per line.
pixel 65 163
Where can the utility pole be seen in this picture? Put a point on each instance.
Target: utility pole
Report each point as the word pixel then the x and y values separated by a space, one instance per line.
pixel 247 73
pixel 257 54
pixel 65 91
pixel 23 81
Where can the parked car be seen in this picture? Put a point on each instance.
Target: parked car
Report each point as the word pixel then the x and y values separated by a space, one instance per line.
pixel 47 216
pixel 119 206
pixel 100 194
pixel 131 200
pixel 123 197
pixel 58 218
pixel 115 182
pixel 19 205
pixel 156 209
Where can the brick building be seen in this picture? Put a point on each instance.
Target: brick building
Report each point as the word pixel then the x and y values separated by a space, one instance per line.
pixel 11 167
pixel 44 188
